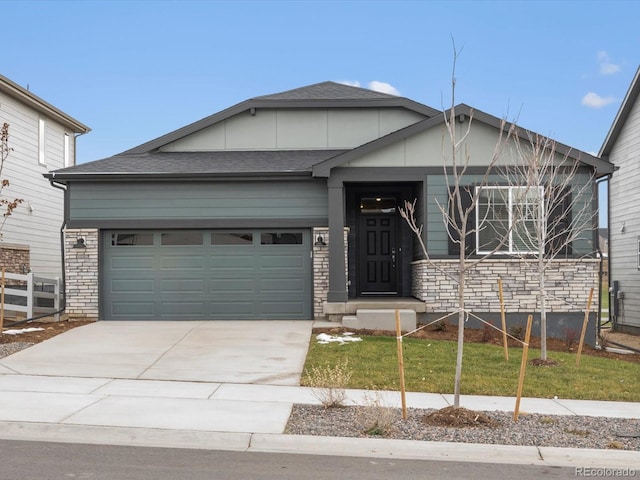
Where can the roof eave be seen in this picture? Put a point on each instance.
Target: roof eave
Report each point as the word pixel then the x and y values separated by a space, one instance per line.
pixel 25 96
pixel 621 116
pixel 164 176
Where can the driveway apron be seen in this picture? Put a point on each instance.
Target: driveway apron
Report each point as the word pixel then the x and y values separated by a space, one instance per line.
pixel 252 352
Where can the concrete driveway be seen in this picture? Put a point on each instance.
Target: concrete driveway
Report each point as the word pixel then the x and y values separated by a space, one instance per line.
pixel 252 352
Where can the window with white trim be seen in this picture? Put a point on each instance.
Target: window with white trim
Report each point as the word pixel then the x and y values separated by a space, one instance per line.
pixel 509 215
pixel 67 150
pixel 42 138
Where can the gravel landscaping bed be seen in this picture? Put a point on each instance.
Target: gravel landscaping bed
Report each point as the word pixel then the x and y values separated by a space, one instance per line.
pixel 7 349
pixel 530 430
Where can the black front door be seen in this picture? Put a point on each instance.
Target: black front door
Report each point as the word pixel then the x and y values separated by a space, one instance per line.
pixel 377 257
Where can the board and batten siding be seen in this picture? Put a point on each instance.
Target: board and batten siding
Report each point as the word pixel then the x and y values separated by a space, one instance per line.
pixel 37 221
pixel 309 129
pixel 624 202
pixel 93 202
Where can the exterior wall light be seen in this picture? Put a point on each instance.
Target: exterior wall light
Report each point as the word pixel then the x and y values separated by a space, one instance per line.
pixel 320 242
pixel 80 243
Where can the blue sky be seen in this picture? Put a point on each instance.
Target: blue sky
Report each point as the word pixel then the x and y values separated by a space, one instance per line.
pixel 135 70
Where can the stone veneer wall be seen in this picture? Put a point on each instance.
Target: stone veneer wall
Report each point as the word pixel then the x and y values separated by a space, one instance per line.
pixel 15 258
pixel 568 280
pixel 321 269
pixel 81 269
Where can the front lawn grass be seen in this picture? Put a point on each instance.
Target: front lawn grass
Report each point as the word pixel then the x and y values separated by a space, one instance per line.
pixel 430 367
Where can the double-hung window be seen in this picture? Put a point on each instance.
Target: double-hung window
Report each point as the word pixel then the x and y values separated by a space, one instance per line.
pixel 509 219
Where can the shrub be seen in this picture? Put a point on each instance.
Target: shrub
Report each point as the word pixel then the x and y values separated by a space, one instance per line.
pixel 329 383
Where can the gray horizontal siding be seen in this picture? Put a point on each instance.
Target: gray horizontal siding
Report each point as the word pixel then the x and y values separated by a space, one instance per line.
pixel 624 199
pixel 197 201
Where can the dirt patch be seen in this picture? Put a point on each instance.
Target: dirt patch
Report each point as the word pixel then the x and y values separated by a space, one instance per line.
pixel 458 417
pixel 538 362
pixel 49 330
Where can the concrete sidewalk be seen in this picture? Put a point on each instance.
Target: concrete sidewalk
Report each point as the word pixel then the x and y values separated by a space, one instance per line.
pixel 247 417
pixel 227 386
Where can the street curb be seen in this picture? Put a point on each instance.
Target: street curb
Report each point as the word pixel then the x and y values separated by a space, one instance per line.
pixel 445 451
pixel 317 445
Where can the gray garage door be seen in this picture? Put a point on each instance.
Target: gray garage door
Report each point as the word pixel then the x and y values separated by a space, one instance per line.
pixel 206 274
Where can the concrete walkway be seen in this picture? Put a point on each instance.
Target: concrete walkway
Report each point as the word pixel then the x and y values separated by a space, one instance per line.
pixel 121 395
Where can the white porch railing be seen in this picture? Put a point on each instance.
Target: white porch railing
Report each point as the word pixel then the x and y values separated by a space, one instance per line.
pixel 37 290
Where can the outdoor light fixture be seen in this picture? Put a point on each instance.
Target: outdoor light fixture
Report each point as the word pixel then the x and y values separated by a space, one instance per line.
pixel 80 243
pixel 320 242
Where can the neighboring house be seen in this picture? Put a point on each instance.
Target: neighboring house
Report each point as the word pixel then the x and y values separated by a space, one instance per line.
pixel 622 148
pixel 42 138
pixel 285 206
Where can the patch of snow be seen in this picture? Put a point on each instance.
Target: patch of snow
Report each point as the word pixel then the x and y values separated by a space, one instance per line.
pixel 347 337
pixel 23 330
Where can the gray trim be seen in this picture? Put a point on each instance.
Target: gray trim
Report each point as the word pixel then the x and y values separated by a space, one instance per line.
pixel 621 116
pixel 154 224
pixel 337 268
pixel 171 177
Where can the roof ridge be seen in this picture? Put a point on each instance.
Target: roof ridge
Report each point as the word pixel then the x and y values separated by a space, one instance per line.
pixel 327 90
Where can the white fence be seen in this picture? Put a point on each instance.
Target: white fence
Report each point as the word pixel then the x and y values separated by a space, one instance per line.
pixel 30 300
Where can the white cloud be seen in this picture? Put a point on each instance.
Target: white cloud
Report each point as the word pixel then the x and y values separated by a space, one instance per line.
pixel 593 100
pixel 606 66
pixel 376 86
pixel 383 87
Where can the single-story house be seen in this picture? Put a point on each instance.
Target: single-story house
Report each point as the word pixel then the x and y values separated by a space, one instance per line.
pixel 622 148
pixel 285 206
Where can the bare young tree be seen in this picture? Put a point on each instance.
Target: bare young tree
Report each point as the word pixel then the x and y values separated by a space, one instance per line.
pixel 551 209
pixel 460 208
pixel 7 205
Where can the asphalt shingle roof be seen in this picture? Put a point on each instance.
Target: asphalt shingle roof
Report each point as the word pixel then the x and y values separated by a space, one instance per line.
pixel 196 163
pixel 327 91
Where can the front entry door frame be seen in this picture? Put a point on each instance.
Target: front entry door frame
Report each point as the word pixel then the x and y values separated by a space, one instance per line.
pixel 378 249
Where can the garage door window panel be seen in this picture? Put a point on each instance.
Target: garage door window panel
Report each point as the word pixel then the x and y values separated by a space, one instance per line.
pixel 231 238
pixel 131 239
pixel 286 238
pixel 182 238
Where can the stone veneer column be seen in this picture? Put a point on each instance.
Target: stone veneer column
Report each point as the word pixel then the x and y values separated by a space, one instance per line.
pixel 81 269
pixel 321 269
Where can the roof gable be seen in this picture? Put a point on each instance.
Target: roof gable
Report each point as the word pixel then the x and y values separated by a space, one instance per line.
pixel 323 169
pixel 621 117
pixel 319 95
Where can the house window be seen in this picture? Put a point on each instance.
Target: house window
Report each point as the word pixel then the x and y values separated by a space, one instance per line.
pixel 509 215
pixel 42 147
pixel 66 150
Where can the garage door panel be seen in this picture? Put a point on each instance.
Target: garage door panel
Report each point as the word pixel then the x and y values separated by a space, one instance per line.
pixel 136 286
pixel 245 279
pixel 182 286
pixel 182 262
pixel 134 309
pixel 182 309
pixel 232 286
pixel 132 262
pixel 282 308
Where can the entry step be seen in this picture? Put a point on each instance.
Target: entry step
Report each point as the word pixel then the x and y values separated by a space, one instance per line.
pixel 380 319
